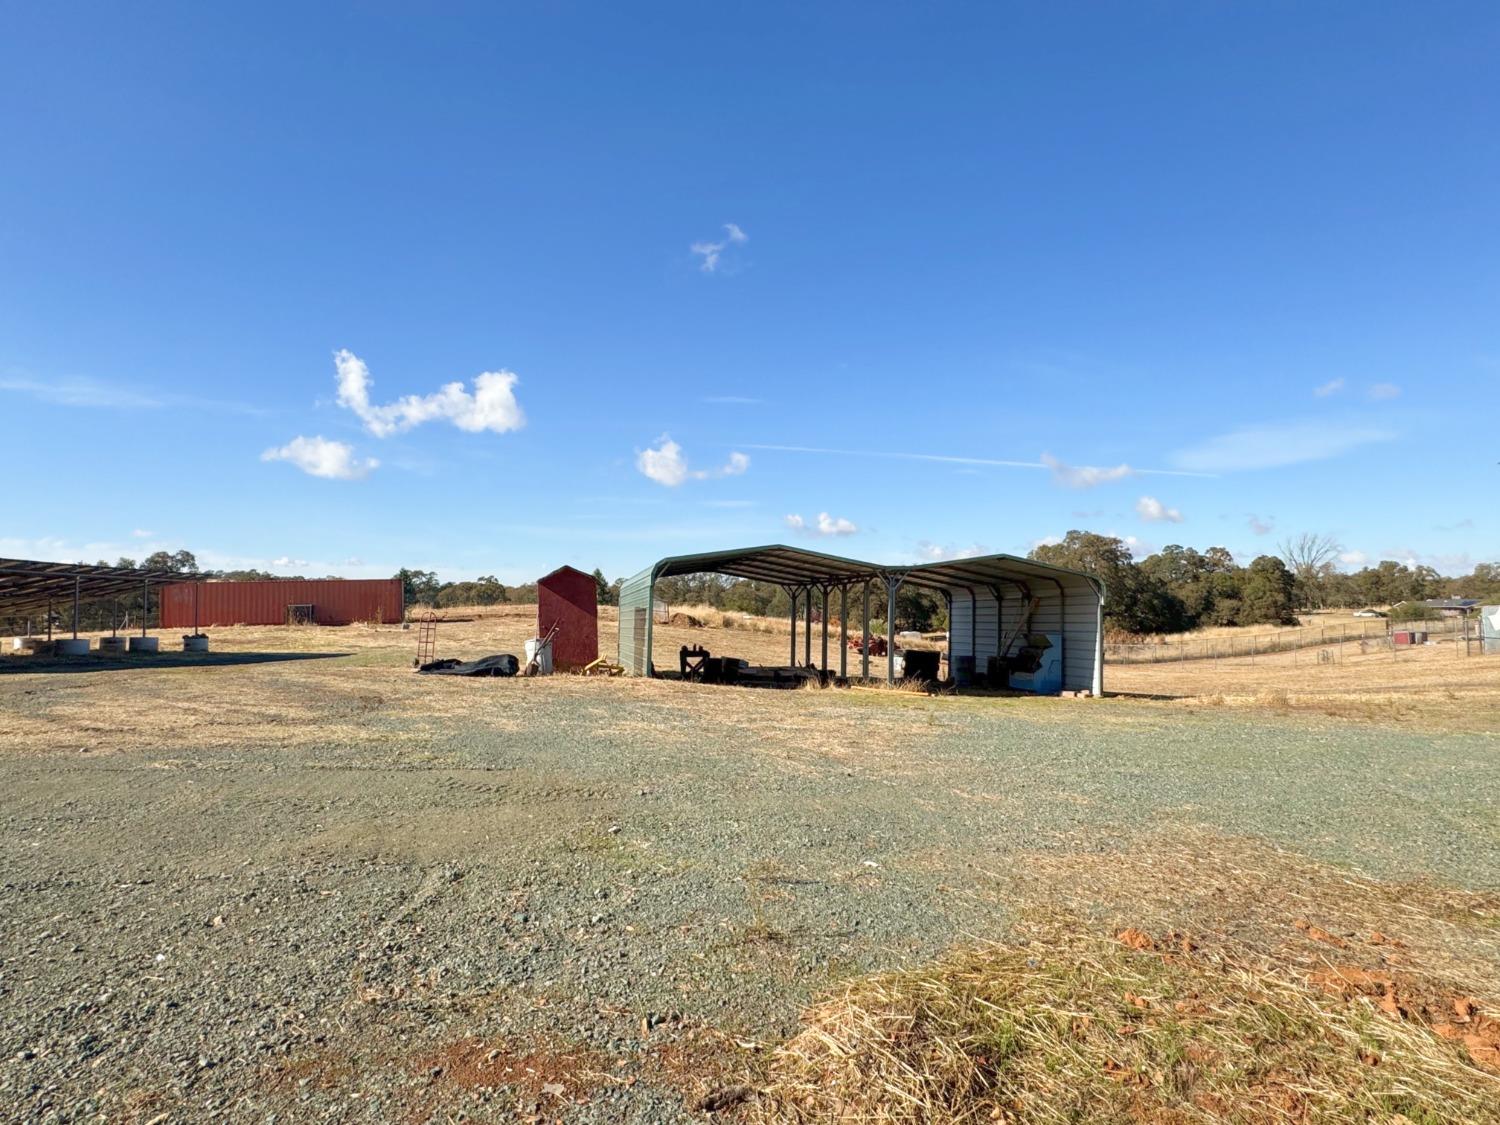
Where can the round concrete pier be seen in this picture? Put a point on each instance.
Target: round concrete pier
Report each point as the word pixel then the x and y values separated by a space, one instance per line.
pixel 145 644
pixel 72 646
pixel 195 643
pixel 112 644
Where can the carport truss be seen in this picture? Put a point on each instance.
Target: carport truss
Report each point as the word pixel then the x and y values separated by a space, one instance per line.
pixel 991 600
pixel 28 587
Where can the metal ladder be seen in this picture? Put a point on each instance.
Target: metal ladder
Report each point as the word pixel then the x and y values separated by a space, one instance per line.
pixel 426 638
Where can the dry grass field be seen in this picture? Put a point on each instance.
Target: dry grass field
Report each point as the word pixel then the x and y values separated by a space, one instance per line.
pixel 298 880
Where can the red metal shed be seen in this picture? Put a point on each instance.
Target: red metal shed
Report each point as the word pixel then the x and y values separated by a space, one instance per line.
pixel 569 599
pixel 338 601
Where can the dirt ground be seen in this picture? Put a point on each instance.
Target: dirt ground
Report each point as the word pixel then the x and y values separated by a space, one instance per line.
pixel 298 880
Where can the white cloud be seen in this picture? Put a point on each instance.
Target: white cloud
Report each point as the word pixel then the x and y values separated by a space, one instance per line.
pixel 1152 510
pixel 1332 387
pixel 1084 476
pixel 1260 526
pixel 492 405
pixel 141 533
pixel 1046 541
pixel 320 457
pixel 1276 444
pixel 1353 558
pixel 710 251
pixel 286 561
pixel 936 552
pixel 666 465
pixel 1381 392
pixel 825 525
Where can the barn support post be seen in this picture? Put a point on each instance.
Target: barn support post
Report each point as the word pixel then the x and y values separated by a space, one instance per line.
pixel 49 619
pixel 807 631
pixel 145 603
pixel 792 593
pixel 76 581
pixel 844 632
pixel 864 648
pixel 1099 647
pixel 892 584
pixel 825 631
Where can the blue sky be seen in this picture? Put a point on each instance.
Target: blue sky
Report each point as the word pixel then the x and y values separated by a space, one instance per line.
pixel 928 278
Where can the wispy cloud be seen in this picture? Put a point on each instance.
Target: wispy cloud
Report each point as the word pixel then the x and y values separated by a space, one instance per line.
pixel 1353 558
pixel 1046 463
pixel 491 406
pixel 141 533
pixel 1382 392
pixel 1152 510
pixel 1084 476
pixel 97 394
pixel 665 464
pixel 825 525
pixel 1276 444
pixel 1332 387
pixel 286 561
pixel 320 457
pixel 1260 526
pixel 711 251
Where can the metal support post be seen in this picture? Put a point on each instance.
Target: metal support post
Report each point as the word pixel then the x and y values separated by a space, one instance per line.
pixel 76 580
pixel 825 631
pixel 890 629
pixel 792 659
pixel 864 656
pixel 807 638
pixel 844 632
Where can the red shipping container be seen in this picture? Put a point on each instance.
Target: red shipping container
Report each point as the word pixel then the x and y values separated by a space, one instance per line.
pixel 337 601
pixel 569 599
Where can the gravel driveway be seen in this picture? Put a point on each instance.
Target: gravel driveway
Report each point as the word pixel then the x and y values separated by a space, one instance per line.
pixel 601 892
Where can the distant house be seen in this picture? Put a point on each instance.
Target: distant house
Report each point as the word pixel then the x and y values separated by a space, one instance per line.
pixel 1452 607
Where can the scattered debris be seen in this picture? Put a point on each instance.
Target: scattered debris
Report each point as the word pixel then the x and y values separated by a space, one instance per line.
pixel 501 664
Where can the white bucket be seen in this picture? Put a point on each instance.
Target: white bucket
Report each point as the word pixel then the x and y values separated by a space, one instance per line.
pixel 72 646
pixel 541 654
pixel 145 644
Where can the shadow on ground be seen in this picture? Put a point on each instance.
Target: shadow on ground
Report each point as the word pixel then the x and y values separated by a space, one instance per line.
pixel 110 663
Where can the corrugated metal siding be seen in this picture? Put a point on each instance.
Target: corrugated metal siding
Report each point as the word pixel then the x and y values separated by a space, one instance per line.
pixel 635 623
pixel 569 599
pixel 1073 614
pixel 334 602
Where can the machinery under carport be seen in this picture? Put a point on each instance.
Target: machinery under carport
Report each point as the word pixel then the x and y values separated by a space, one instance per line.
pixel 1014 623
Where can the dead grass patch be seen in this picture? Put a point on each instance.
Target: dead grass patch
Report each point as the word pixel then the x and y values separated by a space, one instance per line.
pixel 1188 978
pixel 1086 1028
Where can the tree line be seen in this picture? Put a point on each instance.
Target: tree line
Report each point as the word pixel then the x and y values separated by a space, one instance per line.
pixel 1179 588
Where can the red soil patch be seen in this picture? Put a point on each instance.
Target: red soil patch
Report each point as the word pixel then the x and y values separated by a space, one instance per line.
pixel 475 1064
pixel 1404 997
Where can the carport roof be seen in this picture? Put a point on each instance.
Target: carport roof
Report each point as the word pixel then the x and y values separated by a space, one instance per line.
pixel 27 586
pixel 796 566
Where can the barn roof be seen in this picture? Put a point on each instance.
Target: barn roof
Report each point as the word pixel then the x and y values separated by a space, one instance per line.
pixel 29 587
pixel 796 566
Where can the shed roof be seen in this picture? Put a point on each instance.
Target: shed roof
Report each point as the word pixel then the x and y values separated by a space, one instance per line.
pixel 797 566
pixel 27 586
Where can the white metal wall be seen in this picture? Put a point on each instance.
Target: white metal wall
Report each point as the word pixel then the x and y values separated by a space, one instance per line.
pixel 1074 613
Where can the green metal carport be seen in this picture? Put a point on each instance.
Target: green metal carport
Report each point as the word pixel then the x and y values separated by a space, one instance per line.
pixel 992 601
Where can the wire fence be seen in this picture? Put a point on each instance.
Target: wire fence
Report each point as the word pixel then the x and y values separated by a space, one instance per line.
pixel 1363 636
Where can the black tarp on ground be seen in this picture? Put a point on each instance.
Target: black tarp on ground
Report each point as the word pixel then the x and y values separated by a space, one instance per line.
pixel 503 664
